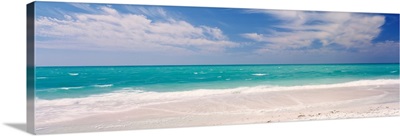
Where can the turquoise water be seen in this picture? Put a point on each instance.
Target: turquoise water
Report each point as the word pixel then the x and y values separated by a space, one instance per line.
pixel 78 82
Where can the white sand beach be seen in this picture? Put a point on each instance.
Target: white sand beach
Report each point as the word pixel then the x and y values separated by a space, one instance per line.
pixel 243 108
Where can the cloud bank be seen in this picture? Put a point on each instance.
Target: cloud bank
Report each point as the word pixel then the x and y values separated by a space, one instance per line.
pixel 303 29
pixel 109 29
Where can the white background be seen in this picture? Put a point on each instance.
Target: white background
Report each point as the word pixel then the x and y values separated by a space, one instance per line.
pixel 12 72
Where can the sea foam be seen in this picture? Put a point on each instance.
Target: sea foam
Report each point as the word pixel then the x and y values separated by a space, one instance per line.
pixel 104 85
pixel 70 88
pixel 259 74
pixel 73 74
pixel 41 77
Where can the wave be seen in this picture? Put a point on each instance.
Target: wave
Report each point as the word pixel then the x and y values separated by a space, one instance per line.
pixel 128 99
pixel 41 77
pixel 73 74
pixel 259 74
pixel 70 88
pixel 59 89
pixel 104 85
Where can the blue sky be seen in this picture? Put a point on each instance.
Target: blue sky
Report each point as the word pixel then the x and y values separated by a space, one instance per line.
pixel 101 34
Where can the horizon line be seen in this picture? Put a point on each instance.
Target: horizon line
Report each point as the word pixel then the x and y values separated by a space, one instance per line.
pixel 149 65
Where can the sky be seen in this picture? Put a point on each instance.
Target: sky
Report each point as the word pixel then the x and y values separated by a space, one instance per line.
pixel 80 34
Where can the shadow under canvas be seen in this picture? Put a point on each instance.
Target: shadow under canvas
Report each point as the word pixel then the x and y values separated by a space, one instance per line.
pixel 18 126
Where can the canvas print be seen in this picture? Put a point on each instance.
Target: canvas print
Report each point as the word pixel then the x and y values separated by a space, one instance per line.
pixel 103 67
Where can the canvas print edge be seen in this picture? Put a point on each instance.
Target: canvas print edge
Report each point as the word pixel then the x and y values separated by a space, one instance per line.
pixel 30 67
pixel 33 79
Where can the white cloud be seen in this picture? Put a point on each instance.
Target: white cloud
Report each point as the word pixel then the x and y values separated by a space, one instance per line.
pixel 387 44
pixel 301 29
pixel 384 47
pixel 254 36
pixel 148 11
pixel 112 30
pixel 85 7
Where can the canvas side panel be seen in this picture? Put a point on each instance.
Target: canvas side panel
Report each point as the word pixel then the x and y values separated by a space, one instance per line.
pixel 30 67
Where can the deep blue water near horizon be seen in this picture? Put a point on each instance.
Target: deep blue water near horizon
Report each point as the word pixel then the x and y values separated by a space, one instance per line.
pixel 83 81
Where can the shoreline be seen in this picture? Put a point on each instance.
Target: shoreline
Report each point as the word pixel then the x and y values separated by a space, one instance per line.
pixel 244 108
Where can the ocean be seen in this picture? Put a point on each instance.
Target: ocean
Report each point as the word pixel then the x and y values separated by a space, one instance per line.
pixel 77 82
pixel 64 93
